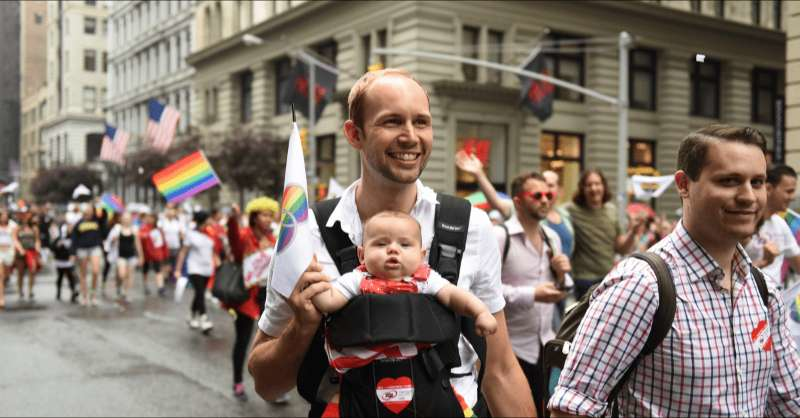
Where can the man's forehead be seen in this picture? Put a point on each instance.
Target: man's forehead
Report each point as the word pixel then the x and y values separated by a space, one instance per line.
pixel 395 91
pixel 735 157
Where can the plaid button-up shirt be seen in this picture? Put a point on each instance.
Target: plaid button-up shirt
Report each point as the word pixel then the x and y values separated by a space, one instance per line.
pixel 722 357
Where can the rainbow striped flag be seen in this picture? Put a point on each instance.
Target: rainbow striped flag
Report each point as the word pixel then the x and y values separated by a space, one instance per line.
pixel 792 218
pixel 185 178
pixel 112 203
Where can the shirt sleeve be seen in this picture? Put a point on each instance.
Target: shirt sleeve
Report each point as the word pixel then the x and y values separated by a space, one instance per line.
pixel 610 336
pixel 433 284
pixel 348 284
pixel 784 391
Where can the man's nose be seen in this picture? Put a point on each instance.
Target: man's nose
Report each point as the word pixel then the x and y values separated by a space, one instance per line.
pixel 409 133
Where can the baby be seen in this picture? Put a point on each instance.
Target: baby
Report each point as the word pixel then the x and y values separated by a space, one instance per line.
pixel 392 261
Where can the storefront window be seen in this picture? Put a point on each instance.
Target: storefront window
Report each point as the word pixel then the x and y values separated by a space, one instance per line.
pixel 489 141
pixel 563 153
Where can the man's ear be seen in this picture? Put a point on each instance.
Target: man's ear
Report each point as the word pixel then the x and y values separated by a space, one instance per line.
pixel 360 251
pixel 353 134
pixel 682 183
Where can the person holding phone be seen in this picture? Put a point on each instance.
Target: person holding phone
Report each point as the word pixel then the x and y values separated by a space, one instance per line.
pixel 535 273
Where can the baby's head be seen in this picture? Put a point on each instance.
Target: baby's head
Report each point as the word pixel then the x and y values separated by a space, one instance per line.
pixel 392 245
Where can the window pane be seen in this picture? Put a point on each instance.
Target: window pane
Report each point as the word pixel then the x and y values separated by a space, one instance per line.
pixel 496 161
pixel 469 48
pixel 89 25
pixel 642 91
pixel 282 68
pixel 642 154
pixel 765 105
pixel 89 57
pixel 569 70
pixel 708 70
pixel 569 146
pixel 707 99
pixel 547 145
pixel 642 59
pixel 495 55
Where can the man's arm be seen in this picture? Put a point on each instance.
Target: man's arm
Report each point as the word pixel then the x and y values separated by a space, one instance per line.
pixel 504 385
pixel 471 164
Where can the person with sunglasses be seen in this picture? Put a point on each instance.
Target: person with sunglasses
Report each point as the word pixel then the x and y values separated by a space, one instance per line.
pixel 534 276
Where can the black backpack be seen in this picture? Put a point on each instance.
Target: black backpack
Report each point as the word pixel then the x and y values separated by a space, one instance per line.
pixel 556 350
pixel 316 380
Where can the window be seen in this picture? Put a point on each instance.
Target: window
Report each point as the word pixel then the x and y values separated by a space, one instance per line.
pixel 562 152
pixel 91 3
pixel 366 44
pixel 642 83
pixel 211 105
pixel 642 153
pixel 495 162
pixel 755 11
pixel 326 165
pixel 104 27
pixel 246 96
pixel 327 50
pixel 765 90
pixel 719 8
pixel 495 55
pixel 566 65
pixel 695 5
pixel 38 18
pixel 89 60
pixel 705 88
pixel 89 25
pixel 777 13
pixel 283 68
pixel 470 38
pixel 89 99
pixel 105 62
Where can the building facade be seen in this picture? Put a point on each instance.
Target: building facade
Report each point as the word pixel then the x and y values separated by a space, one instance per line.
pixel 692 63
pixel 9 90
pixel 72 129
pixel 793 84
pixel 33 87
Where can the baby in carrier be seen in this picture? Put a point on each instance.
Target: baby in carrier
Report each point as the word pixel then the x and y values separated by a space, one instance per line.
pixel 392 262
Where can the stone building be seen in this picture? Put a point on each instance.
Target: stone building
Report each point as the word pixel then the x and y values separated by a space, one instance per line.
pixel 9 90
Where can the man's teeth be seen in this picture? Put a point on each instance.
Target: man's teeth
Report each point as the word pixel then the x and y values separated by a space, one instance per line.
pixel 405 156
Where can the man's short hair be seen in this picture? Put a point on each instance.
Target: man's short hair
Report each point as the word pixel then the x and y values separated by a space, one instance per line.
pixel 693 148
pixel 776 173
pixel 358 93
pixel 393 214
pixel 519 181
pixel 579 198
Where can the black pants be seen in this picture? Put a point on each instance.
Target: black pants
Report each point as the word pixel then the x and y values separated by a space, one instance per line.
pixel 244 331
pixel 538 384
pixel 199 284
pixel 65 271
pixel 106 266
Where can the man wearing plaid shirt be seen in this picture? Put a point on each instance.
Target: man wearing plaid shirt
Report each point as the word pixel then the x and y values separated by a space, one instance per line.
pixel 726 354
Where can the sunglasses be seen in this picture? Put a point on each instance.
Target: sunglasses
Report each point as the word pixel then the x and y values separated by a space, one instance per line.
pixel 537 195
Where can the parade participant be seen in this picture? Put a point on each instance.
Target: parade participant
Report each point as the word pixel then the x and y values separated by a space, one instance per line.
pixel 87 239
pixel 7 250
pixel 557 217
pixel 390 124
pixel 246 242
pixel 471 164
pixel 773 234
pixel 155 253
pixel 174 230
pixel 726 353
pixel 61 246
pixel 198 253
pixel 217 232
pixel 391 260
pixel 533 276
pixel 125 240
pixel 597 232
pixel 29 247
pixel 110 255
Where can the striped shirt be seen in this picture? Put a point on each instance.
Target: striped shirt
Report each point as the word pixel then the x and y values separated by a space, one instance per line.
pixel 722 357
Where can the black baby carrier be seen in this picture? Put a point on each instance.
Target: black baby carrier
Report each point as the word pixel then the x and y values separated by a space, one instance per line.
pixel 417 386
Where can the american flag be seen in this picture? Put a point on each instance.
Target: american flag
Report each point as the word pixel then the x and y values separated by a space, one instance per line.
pixel 114 143
pixel 161 123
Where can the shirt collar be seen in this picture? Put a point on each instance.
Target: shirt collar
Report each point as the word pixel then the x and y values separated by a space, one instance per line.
pixel 514 226
pixel 702 264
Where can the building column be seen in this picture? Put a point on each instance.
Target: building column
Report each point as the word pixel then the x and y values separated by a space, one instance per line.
pixel 674 97
pixel 735 99
pixel 260 95
pixel 601 143
pixel 793 83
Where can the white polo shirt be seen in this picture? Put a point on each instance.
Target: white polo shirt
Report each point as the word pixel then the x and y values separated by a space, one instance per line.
pixel 777 231
pixel 480 271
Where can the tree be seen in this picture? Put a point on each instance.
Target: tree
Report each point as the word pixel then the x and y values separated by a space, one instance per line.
pixel 251 161
pixel 56 184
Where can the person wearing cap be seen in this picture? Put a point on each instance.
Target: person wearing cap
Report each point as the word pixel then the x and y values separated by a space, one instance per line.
pixel 198 253
pixel 245 242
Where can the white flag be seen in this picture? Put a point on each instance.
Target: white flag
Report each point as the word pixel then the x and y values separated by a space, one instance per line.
pixel 648 187
pixel 293 251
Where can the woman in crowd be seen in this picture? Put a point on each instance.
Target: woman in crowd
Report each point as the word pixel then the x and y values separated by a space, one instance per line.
pixel 155 253
pixel 29 246
pixel 87 239
pixel 253 241
pixel 64 258
pixel 125 241
pixel 598 235
pixel 7 248
pixel 198 253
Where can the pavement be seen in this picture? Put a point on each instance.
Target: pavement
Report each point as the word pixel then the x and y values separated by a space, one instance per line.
pixel 60 359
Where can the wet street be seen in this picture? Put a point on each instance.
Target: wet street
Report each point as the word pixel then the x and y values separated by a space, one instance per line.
pixel 58 359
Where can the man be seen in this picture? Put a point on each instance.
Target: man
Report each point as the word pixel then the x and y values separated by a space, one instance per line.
pixel 390 126
pixel 726 353
pixel 533 266
pixel 774 234
pixel 557 218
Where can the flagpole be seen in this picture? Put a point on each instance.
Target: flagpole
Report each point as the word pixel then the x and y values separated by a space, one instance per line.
pixel 311 169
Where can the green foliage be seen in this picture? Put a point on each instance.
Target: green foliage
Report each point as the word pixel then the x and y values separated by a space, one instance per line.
pixel 252 162
pixel 56 184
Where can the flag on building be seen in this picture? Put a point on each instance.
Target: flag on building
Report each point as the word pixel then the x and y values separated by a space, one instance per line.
pixel 112 203
pixel 185 178
pixel 293 251
pixel 296 89
pixel 115 141
pixel 162 121
pixel 537 95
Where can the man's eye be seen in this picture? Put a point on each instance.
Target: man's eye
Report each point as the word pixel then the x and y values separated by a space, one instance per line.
pixel 729 181
pixel 757 183
pixel 391 122
pixel 422 123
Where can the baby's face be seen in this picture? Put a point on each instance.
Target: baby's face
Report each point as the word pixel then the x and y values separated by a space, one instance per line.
pixel 392 247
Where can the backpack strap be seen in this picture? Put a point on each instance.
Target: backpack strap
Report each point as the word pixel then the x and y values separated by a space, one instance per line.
pixel 450 235
pixel 507 243
pixel 337 242
pixel 761 284
pixel 662 320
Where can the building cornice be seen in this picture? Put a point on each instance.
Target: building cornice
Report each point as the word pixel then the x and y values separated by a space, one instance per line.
pixel 70 117
pixel 295 13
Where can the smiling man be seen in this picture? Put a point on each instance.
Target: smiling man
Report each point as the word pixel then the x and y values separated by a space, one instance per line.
pixel 726 354
pixel 390 125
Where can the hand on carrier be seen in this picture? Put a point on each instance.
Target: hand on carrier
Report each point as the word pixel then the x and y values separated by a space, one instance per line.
pixel 485 324
pixel 312 282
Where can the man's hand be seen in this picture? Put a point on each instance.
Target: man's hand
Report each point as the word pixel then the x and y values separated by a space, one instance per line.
pixel 560 264
pixel 485 324
pixel 547 293
pixel 468 162
pixel 312 282
pixel 235 211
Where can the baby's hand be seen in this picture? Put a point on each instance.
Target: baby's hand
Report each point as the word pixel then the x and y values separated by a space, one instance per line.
pixel 485 324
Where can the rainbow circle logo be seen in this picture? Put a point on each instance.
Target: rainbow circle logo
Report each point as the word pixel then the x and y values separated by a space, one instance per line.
pixel 294 210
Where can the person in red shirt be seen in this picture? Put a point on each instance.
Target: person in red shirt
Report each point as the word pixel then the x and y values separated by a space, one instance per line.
pixel 216 231
pixel 244 242
pixel 155 252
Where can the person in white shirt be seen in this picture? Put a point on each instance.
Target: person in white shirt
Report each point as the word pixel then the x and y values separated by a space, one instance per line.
pixel 390 125
pixel 774 240
pixel 7 246
pixel 198 253
pixel 174 231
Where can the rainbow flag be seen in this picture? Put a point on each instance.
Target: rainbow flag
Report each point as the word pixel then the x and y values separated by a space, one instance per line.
pixel 112 203
pixel 792 218
pixel 185 178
